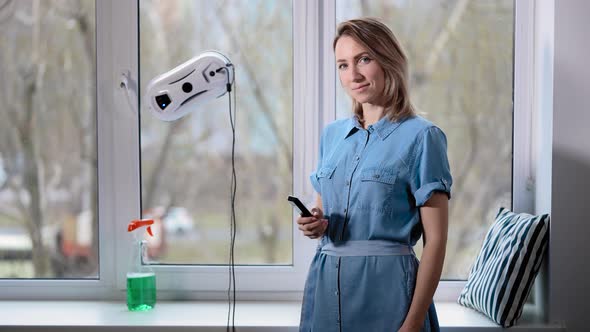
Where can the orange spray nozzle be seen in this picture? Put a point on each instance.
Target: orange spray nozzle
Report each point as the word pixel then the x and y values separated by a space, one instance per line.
pixel 135 224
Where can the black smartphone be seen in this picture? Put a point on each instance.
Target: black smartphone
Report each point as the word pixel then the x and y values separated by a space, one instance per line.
pixel 303 211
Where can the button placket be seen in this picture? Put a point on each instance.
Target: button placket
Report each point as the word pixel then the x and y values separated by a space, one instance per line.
pixel 348 183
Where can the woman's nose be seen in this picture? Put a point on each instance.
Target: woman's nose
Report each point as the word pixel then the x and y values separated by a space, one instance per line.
pixel 355 74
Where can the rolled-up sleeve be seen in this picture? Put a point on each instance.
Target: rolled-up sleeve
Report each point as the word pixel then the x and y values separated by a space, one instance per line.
pixel 431 171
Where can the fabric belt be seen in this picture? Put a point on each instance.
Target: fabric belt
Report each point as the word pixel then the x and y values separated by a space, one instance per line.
pixel 367 248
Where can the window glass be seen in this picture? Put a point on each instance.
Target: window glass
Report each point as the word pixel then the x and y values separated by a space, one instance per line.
pixel 48 154
pixel 186 164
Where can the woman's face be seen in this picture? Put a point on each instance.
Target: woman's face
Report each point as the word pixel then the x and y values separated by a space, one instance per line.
pixel 360 75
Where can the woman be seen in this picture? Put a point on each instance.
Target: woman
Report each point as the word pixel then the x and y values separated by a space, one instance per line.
pixel 383 180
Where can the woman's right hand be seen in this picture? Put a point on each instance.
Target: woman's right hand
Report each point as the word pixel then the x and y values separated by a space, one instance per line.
pixel 314 226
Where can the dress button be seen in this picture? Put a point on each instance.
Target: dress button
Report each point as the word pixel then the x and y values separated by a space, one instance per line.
pixel 345 210
pixel 337 293
pixel 357 158
pixel 347 182
pixel 376 176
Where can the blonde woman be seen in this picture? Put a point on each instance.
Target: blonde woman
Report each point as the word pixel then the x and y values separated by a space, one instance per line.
pixel 383 181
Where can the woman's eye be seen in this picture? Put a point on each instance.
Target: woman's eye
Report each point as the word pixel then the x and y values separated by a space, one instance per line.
pixel 342 66
pixel 364 59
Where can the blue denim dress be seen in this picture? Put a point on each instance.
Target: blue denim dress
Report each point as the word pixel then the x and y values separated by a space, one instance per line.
pixel 372 182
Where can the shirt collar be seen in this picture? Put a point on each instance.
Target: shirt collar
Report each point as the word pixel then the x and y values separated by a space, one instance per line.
pixel 352 126
pixel 384 127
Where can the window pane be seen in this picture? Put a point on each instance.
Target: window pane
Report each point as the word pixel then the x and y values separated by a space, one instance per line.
pixel 465 87
pixel 186 164
pixel 48 165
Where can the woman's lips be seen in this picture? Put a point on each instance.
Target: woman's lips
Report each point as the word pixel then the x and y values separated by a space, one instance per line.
pixel 360 88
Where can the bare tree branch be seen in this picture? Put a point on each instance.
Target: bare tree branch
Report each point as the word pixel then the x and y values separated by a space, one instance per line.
pixel 441 41
pixel 473 142
pixel 19 202
pixel 68 9
pixel 160 165
pixel 284 148
pixel 6 10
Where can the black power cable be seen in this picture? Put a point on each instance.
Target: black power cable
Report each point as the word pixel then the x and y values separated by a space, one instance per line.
pixel 231 291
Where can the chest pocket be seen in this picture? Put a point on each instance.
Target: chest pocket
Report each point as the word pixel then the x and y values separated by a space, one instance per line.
pixel 326 172
pixel 376 189
pixel 382 175
pixel 324 176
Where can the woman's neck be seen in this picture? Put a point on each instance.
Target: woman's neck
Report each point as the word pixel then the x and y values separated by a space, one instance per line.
pixel 371 114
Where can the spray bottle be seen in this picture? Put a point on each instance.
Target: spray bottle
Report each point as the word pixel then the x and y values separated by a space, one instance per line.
pixel 141 279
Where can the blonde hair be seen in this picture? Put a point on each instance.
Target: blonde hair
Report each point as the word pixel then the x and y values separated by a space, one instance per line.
pixel 384 47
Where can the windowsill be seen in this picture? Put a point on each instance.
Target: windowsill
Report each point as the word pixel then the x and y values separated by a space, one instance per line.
pixel 208 316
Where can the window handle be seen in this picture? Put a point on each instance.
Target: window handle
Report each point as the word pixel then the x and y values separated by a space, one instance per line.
pixel 129 87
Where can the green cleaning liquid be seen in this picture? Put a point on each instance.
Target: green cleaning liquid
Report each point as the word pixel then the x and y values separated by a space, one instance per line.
pixel 141 291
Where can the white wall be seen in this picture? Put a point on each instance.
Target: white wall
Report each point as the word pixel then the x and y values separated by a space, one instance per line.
pixel 570 199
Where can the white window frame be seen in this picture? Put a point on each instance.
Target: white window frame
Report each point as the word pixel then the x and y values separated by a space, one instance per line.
pixel 314 93
pixel 211 282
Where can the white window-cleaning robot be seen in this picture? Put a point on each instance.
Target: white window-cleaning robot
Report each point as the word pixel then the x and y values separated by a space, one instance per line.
pixel 176 93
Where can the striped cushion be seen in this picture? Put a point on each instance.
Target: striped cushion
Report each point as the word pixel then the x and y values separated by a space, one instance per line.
pixel 501 278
